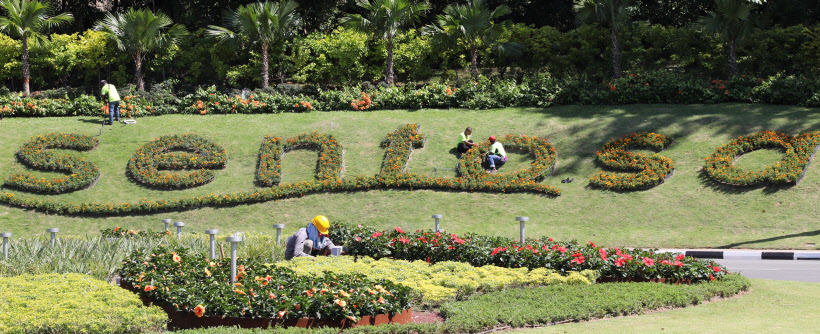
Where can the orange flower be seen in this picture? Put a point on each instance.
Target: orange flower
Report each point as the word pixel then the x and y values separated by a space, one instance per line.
pixel 381 300
pixel 177 259
pixel 341 303
pixel 239 292
pixel 199 310
pixel 282 313
pixel 150 288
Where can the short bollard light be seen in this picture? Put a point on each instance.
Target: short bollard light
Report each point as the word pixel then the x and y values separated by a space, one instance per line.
pixel 278 228
pixel 213 234
pixel 179 226
pixel 522 220
pixel 166 222
pixel 53 232
pixel 233 241
pixel 437 217
pixel 5 237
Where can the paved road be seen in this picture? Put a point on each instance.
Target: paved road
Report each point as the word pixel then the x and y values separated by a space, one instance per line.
pixel 784 270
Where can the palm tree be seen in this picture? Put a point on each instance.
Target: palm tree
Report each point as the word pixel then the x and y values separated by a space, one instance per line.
pixel 140 32
pixel 26 19
pixel 474 24
pixel 266 23
pixel 731 20
pixel 611 13
pixel 383 19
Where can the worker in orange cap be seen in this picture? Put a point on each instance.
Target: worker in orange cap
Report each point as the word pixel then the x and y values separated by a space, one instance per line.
pixel 310 240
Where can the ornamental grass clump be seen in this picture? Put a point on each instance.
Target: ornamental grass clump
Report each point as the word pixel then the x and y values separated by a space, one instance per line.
pixel 203 287
pixel 563 257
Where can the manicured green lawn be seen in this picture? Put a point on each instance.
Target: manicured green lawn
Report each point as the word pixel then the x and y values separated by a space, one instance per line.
pixel 687 211
pixel 772 307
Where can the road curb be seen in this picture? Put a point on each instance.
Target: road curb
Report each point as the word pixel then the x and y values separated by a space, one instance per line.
pixel 746 255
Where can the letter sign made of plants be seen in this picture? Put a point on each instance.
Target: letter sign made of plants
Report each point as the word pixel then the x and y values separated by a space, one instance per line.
pixel 799 149
pixel 652 170
pixel 176 152
pixel 33 153
pixel 199 156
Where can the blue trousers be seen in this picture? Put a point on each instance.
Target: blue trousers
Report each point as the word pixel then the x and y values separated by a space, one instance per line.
pixel 113 107
pixel 495 159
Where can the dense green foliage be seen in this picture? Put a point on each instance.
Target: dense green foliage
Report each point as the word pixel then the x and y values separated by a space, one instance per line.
pixel 72 303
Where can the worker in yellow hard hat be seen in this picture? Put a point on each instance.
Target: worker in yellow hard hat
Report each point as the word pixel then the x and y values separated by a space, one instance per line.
pixel 310 240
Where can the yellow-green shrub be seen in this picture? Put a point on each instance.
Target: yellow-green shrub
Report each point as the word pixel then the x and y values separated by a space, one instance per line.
pixel 72 303
pixel 433 284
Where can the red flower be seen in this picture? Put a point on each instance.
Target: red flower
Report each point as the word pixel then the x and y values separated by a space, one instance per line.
pixel 550 239
pixel 577 258
pixel 592 244
pixel 602 252
pixel 403 240
pixel 199 310
pixel 377 234
pixel 716 269
pixel 680 257
pixel 678 263
pixel 648 262
pixel 398 229
pixel 619 262
pixel 666 262
pixel 711 277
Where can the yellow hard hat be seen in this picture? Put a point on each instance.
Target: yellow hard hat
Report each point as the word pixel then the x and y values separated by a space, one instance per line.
pixel 321 223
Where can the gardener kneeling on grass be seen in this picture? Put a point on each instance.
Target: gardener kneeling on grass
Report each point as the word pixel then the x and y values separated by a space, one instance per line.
pixel 310 240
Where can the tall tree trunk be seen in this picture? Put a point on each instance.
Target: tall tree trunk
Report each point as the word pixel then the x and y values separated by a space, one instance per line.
pixel 388 76
pixel 474 61
pixel 265 75
pixel 616 54
pixel 26 70
pixel 732 59
pixel 138 72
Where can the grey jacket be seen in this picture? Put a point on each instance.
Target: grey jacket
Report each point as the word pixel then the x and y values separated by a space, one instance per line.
pixel 299 244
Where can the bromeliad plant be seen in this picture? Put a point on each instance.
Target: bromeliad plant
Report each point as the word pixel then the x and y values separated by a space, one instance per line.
pixel 720 165
pixel 651 170
pixel 175 152
pixel 563 257
pixel 34 153
pixel 203 287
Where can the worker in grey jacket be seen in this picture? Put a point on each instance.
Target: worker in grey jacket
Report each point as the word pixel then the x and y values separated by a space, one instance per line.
pixel 309 240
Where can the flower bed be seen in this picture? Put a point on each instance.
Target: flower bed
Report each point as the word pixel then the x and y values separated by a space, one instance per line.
pixel 164 153
pixel 442 281
pixel 399 145
pixel 652 170
pixel 33 153
pixel 329 167
pixel 563 257
pixel 470 165
pixel 799 149
pixel 202 287
pixel 118 233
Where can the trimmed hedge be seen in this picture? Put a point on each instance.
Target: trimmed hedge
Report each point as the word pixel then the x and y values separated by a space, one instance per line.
pixel 81 173
pixel 72 303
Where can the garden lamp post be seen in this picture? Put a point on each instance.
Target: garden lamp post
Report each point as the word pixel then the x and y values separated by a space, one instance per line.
pixel 522 220
pixel 53 232
pixel 213 234
pixel 166 222
pixel 437 217
pixel 5 237
pixel 278 228
pixel 179 226
pixel 233 241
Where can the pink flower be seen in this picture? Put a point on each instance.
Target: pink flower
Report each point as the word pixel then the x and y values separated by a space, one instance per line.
pixel 648 262
pixel 678 263
pixel 619 262
pixel 666 262
pixel 377 234
pixel 403 240
pixel 358 239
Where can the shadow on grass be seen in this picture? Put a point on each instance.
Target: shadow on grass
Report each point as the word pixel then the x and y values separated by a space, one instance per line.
pixel 787 236
pixel 768 189
pixel 731 119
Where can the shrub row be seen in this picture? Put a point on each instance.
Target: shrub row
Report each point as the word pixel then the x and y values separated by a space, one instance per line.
pixel 442 281
pixel 563 257
pixel 122 233
pixel 471 163
pixel 72 303
pixel 190 284
pixel 652 170
pixel 799 149
pixel 33 153
pixel 166 153
pixel 539 90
